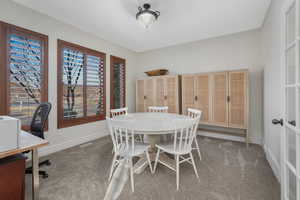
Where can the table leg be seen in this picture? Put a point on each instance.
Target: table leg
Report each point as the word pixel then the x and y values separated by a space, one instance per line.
pixel 35 174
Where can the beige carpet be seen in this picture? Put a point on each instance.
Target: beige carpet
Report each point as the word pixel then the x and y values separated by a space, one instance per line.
pixel 228 171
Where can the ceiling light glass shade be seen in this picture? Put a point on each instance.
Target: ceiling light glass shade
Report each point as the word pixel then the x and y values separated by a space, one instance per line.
pixel 146 17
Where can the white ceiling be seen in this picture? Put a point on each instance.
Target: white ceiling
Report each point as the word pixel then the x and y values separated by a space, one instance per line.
pixel 181 21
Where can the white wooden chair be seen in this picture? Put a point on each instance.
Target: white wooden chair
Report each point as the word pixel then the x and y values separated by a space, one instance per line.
pixel 160 109
pixel 124 111
pixel 184 134
pixel 163 109
pixel 194 113
pixel 117 112
pixel 125 147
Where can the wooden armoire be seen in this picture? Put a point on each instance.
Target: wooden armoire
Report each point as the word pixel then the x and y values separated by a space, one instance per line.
pixel 158 91
pixel 222 97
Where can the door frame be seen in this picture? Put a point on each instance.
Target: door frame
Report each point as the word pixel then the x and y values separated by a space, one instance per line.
pixel 283 138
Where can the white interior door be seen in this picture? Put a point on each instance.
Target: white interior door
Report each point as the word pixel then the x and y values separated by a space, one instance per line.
pixel 290 146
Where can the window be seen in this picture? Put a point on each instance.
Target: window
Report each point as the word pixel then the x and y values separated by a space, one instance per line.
pixel 118 83
pixel 81 85
pixel 23 72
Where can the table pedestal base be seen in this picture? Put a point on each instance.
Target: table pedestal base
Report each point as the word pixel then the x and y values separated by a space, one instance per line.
pixel 142 163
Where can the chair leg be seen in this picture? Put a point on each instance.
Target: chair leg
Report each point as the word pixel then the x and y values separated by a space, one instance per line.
pixel 194 166
pixel 141 138
pixel 42 173
pixel 112 167
pixel 45 162
pixel 198 149
pixel 131 175
pixel 149 161
pixel 177 171
pixel 156 160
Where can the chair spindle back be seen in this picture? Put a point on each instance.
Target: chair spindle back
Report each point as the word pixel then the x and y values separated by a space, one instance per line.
pixel 184 134
pixel 121 135
pixel 194 113
pixel 163 109
pixel 118 112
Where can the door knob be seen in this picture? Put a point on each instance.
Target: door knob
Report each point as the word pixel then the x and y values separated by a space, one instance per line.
pixel 292 122
pixel 276 121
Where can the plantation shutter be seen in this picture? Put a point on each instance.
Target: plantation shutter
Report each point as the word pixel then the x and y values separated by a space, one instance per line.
pixel 118 87
pixel 25 80
pixel 23 72
pixel 73 83
pixel 81 85
pixel 95 85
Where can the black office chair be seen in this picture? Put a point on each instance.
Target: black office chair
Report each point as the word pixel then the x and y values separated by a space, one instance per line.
pixel 37 127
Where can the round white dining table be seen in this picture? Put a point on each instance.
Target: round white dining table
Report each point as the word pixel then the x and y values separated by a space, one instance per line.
pixel 152 126
pixel 152 122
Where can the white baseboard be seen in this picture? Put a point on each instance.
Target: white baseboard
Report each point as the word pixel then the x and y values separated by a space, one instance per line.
pixel 68 144
pixel 273 162
pixel 221 136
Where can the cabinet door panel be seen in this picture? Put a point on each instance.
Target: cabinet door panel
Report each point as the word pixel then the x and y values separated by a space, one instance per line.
pixel 188 93
pixel 140 102
pixel 149 93
pixel 238 99
pixel 219 99
pixel 172 94
pixel 203 96
pixel 160 91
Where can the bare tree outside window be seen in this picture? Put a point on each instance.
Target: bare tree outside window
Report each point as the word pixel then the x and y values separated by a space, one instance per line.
pixel 25 76
pixel 81 85
pixel 23 71
pixel 72 70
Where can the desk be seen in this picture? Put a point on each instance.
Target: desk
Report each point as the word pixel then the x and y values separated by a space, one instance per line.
pixel 28 142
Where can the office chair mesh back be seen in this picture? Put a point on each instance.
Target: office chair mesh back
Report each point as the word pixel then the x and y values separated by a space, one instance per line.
pixel 39 119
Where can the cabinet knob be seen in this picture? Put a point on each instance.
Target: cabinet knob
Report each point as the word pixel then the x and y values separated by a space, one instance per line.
pixel 145 97
pixel 196 98
pixel 166 97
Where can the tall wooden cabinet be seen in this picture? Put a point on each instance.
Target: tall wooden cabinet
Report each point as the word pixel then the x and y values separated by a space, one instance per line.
pixel 196 91
pixel 222 97
pixel 158 91
pixel 238 99
pixel 219 99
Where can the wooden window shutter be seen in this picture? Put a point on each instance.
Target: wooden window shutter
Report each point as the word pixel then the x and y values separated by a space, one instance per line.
pixel 95 85
pixel 81 85
pixel 24 79
pixel 118 82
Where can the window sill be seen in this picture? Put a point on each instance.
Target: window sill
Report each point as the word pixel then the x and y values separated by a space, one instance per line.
pixel 74 122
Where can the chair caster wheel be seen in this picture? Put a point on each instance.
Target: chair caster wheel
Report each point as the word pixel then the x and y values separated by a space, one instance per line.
pixel 45 176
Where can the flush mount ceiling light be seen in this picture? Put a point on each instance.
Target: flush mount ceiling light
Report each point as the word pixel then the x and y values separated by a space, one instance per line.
pixel 146 16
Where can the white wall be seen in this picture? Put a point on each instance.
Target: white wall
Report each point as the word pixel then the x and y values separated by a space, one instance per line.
pixel 13 13
pixel 271 50
pixel 241 50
